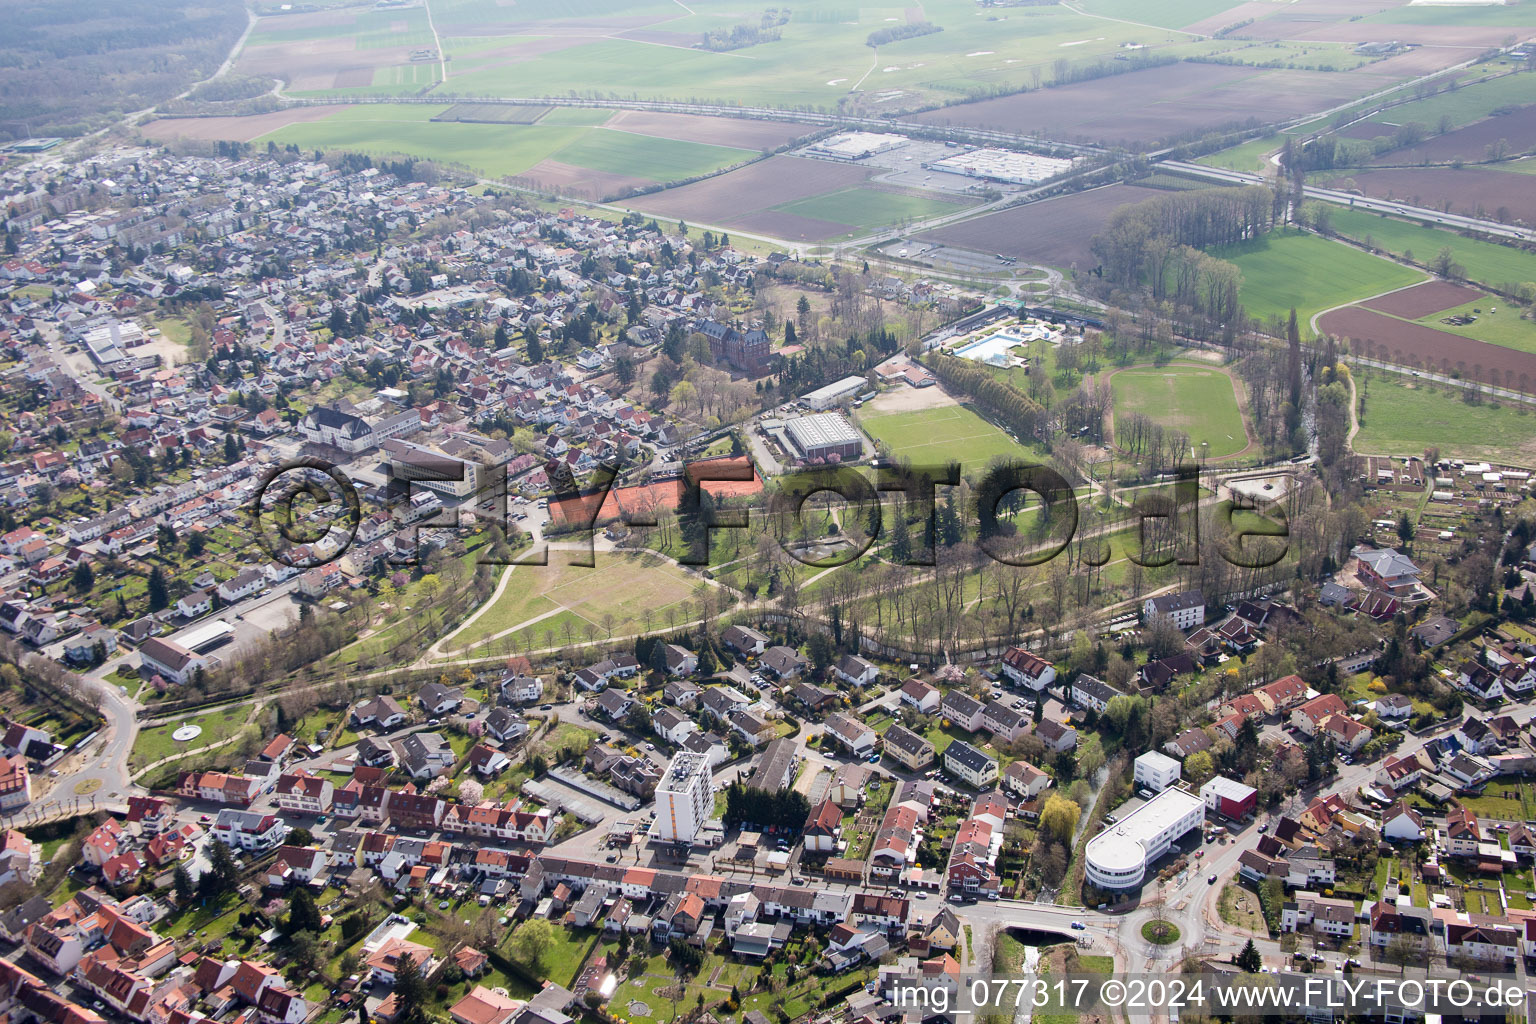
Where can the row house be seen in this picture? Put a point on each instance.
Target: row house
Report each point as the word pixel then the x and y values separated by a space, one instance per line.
pixel 508 823
pixel 217 787
pixel 1026 668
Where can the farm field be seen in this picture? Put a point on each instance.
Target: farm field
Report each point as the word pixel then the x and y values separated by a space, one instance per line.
pixel 1287 268
pixel 940 434
pixel 1406 343
pixel 866 207
pixel 383 131
pixel 1497 323
pixel 1199 400
pixel 751 197
pixel 1470 191
pixel 1170 14
pixel 594 159
pixel 1403 417
pixel 644 156
pixel 1488 262
pixel 627 591
pixel 649 50
pixel 1053 231
pixel 1143 106
pixel 1422 299
pixel 1463 105
pixel 1517 128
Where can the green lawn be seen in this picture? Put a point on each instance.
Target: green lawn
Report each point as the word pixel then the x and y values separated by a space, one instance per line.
pixel 1198 400
pixel 624 591
pixel 1286 269
pixel 1505 797
pixel 936 436
pixel 1403 418
pixel 1486 262
pixel 155 743
pixel 562 961
pixel 866 208
pixel 644 156
pixel 1251 157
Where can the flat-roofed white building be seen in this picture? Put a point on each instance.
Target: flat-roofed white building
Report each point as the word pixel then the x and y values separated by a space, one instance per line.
pixel 856 145
pixel 1003 165
pixel 1117 858
pixel 1156 771
pixel 684 798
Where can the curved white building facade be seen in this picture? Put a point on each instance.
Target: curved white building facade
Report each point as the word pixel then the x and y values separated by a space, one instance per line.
pixel 1117 858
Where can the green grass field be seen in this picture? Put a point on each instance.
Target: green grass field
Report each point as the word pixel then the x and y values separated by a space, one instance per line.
pixel 821 55
pixel 1251 157
pixel 495 150
pixel 631 591
pixel 1286 269
pixel 644 156
pixel 584 116
pixel 1485 262
pixel 935 436
pixel 406 26
pixel 155 743
pixel 866 208
pixel 1498 323
pixel 1468 103
pixel 1166 13
pixel 1198 400
pixel 1403 417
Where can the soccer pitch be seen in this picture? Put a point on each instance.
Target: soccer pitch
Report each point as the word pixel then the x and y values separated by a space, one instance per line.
pixel 937 436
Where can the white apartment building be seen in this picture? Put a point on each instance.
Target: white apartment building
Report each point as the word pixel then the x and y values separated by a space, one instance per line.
pixel 1155 771
pixel 684 799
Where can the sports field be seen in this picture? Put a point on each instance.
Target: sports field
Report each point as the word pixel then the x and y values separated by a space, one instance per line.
pixel 1485 262
pixel 629 592
pixel 1198 400
pixel 936 436
pixel 1286 268
pixel 866 208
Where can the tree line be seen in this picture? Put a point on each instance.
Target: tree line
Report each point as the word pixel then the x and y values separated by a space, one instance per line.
pixel 1006 403
pixel 895 33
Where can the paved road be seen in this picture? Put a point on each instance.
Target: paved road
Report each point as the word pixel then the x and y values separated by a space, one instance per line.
pixel 1451 220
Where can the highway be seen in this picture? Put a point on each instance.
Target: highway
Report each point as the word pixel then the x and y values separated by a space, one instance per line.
pixel 1450 220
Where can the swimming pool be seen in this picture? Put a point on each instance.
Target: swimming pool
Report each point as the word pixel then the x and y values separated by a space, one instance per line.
pixel 992 349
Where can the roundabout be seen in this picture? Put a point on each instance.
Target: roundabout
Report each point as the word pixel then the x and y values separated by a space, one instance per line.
pixel 1160 933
